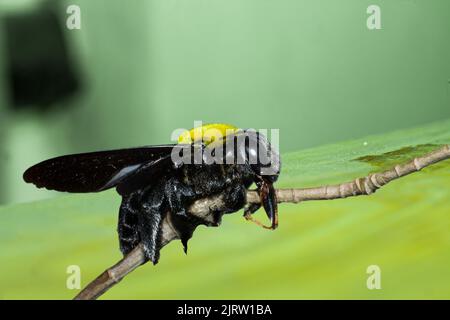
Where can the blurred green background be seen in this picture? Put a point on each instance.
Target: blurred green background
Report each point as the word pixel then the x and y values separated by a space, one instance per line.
pixel 137 70
pixel 310 68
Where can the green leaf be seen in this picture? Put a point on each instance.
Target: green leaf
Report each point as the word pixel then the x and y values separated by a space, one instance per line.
pixel 321 249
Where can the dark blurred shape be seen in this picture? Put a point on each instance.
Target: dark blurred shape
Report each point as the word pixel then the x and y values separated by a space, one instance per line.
pixel 38 63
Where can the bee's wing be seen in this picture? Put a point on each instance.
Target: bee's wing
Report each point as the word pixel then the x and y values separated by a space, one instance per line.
pixel 97 171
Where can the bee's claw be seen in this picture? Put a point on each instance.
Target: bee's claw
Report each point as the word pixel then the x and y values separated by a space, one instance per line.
pixel 250 218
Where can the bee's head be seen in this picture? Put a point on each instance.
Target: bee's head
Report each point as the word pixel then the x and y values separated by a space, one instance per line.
pixel 253 148
pixel 263 158
pixel 230 145
pixel 265 163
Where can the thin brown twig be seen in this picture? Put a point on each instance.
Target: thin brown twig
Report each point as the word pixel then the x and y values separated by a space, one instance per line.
pixel 204 207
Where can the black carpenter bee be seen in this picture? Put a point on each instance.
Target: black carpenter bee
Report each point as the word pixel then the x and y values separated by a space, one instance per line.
pixel 155 180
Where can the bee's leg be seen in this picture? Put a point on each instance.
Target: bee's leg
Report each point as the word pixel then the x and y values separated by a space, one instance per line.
pixel 234 198
pixel 128 224
pixel 150 224
pixel 151 216
pixel 176 193
pixel 251 208
pixel 268 198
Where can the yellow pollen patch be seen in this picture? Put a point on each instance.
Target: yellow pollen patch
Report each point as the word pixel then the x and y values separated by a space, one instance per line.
pixel 207 133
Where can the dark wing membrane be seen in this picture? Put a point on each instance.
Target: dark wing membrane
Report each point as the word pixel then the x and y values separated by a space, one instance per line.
pixel 95 171
pixel 151 172
pixel 145 175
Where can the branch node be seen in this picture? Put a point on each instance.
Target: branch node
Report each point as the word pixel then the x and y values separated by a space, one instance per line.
pixel 368 186
pixel 374 180
pixel 397 171
pixel 112 276
pixel 417 164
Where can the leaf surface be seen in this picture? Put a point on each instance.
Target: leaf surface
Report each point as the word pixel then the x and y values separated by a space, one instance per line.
pixel 321 249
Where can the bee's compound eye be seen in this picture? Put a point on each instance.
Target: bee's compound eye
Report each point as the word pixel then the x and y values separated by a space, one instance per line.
pixel 253 154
